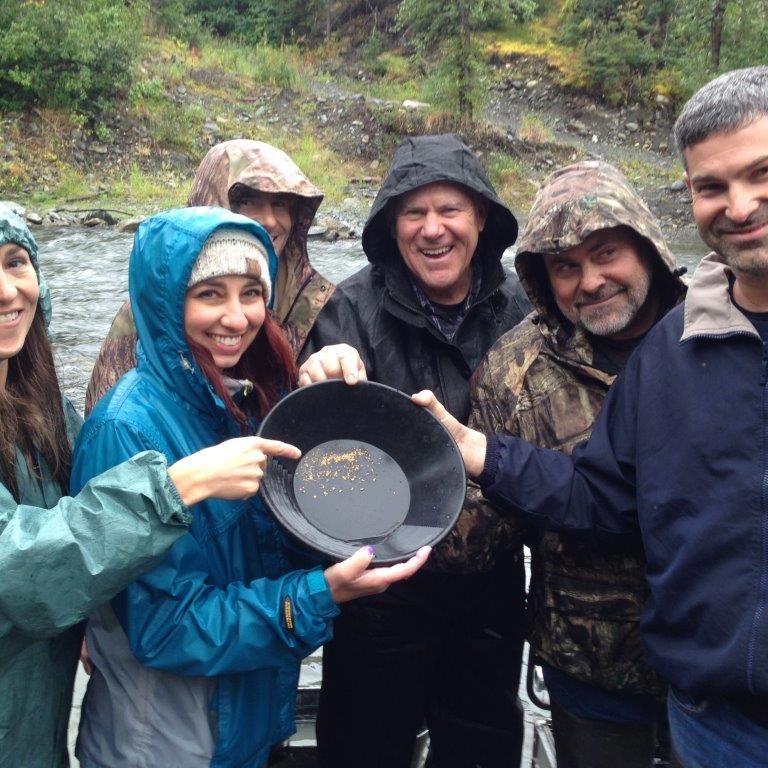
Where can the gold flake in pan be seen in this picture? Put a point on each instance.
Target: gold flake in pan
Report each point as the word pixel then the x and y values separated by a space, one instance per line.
pixel 336 490
pixel 339 471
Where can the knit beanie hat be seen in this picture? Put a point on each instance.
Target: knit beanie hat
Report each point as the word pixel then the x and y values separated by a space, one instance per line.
pixel 231 251
pixel 13 229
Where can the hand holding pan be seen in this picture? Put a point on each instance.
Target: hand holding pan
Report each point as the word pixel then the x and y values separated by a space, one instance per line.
pixel 376 469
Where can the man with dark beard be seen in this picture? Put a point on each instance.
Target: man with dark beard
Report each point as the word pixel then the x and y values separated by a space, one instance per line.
pixel 594 263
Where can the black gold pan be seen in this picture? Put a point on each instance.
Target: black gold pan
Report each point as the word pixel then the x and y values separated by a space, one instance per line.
pixel 375 469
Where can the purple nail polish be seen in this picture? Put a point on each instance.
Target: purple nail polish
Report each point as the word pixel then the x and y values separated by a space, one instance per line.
pixel 371 551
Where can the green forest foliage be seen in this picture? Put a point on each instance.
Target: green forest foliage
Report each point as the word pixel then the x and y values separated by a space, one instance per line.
pixel 273 21
pixel 74 54
pixel 632 50
pixel 81 54
pixel 448 27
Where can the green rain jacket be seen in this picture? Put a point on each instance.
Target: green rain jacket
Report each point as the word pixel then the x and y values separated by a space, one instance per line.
pixel 60 557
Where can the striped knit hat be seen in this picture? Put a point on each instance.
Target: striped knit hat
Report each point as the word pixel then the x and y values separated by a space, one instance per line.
pixel 232 251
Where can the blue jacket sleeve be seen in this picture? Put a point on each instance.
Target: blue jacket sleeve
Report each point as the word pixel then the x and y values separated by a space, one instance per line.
pixel 178 620
pixel 591 491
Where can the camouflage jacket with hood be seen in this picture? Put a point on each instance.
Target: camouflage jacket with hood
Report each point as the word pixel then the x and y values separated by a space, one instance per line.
pixel 301 291
pixel 539 382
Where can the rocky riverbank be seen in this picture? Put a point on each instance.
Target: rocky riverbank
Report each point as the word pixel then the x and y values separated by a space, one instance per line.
pixel 528 118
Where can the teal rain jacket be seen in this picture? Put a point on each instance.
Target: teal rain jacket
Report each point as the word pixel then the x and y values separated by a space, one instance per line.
pixel 59 558
pixel 197 661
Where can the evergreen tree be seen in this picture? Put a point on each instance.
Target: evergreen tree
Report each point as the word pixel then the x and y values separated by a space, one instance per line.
pixel 445 28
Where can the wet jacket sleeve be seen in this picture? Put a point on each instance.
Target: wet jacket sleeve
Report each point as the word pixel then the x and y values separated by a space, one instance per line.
pixel 58 564
pixel 593 490
pixel 178 620
pixel 341 321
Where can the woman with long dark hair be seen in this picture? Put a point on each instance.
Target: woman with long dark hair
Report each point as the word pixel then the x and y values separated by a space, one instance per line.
pixel 196 663
pixel 61 556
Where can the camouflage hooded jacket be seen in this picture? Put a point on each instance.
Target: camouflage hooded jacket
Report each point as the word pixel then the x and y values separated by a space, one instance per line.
pixel 538 382
pixel 302 292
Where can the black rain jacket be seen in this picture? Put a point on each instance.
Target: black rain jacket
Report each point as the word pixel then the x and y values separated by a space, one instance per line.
pixel 376 310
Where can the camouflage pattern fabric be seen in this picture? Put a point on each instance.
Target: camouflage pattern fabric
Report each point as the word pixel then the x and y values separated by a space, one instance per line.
pixel 478 540
pixel 302 290
pixel 116 357
pixel 574 202
pixel 538 382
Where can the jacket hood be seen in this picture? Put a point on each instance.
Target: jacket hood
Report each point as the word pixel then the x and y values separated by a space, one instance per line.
pixel 574 202
pixel 265 168
pixel 426 160
pixel 14 230
pixel 165 249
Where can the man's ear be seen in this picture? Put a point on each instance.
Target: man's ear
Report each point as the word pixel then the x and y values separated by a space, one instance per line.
pixel 390 214
pixel 687 180
pixel 481 206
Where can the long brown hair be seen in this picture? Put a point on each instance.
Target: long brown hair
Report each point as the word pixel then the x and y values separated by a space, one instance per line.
pixel 32 413
pixel 268 364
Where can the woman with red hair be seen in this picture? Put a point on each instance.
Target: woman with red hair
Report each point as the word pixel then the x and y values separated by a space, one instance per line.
pixel 197 662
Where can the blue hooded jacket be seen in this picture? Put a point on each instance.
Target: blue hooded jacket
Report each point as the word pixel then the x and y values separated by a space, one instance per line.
pixel 226 613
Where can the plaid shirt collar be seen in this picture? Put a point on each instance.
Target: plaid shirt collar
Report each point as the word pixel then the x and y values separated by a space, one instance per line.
pixel 447 321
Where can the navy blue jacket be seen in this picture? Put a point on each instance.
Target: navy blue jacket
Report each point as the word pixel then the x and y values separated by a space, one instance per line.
pixel 678 456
